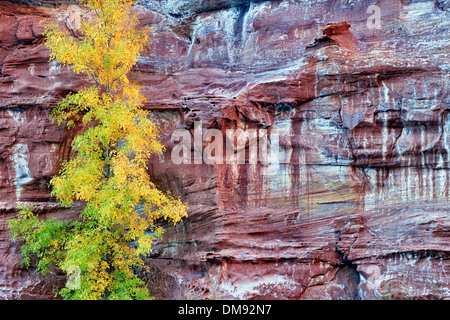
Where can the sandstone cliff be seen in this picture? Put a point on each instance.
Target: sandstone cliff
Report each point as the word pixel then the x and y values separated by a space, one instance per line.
pixel 359 209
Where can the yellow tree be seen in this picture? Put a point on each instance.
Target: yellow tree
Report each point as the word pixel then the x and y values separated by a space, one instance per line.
pixel 109 172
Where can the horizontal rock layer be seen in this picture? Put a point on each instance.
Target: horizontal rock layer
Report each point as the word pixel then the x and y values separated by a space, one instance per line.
pixel 355 207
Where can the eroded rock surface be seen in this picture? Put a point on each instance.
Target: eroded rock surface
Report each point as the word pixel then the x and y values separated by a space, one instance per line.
pixel 358 206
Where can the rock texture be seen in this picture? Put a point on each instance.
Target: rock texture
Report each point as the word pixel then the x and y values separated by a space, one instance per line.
pixel 357 209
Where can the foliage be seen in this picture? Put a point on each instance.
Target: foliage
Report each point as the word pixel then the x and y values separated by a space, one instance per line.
pixel 109 172
pixel 42 237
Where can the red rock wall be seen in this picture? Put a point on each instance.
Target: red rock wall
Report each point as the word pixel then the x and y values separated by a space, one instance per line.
pixel 358 210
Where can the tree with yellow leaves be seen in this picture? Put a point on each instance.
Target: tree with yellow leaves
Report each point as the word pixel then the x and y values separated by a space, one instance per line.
pixel 109 172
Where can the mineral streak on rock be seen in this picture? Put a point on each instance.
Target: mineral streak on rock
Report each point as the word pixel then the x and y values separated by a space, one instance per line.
pixel 358 209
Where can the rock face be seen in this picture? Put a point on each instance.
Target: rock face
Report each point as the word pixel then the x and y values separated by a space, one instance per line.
pixel 354 207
